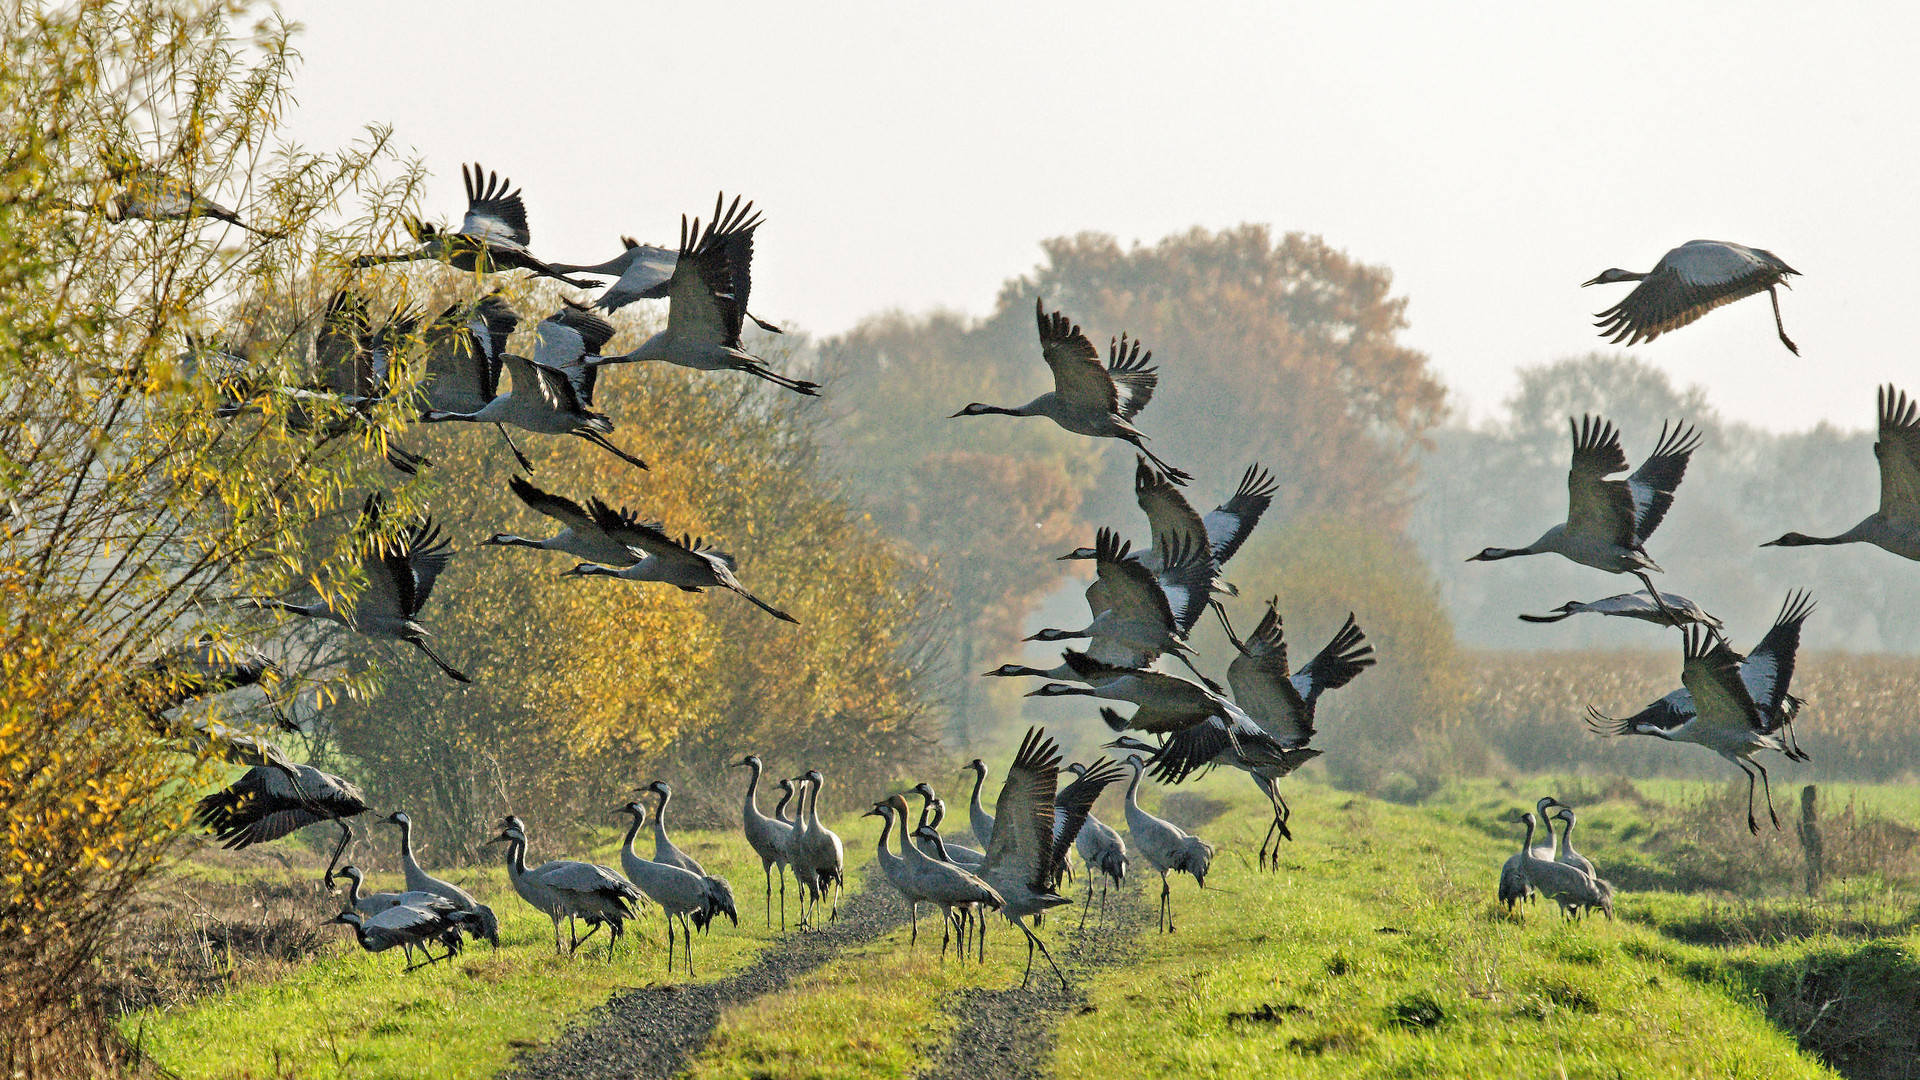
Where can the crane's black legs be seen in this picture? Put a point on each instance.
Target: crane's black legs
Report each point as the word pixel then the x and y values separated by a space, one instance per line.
pixel 1166 904
pixel 783 899
pixel 600 441
pixel 525 465
pixel 1767 786
pixel 1034 942
pixel 1778 325
pixel 1658 600
pixel 451 673
pixel 346 837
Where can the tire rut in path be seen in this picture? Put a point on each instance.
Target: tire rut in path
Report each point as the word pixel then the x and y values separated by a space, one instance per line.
pixel 655 1031
pixel 1009 1034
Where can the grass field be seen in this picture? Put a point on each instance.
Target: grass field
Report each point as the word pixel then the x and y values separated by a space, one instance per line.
pixel 1376 949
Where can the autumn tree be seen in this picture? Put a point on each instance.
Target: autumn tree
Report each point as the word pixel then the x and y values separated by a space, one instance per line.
pixel 127 503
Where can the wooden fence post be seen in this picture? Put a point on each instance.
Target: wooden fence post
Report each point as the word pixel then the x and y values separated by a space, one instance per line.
pixel 1810 844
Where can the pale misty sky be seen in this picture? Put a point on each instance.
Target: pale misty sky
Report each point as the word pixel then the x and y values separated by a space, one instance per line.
pixel 913 155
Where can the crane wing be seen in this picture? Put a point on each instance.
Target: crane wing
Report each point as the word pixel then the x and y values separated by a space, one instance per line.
pixel 339 349
pixel 567 336
pixel 561 509
pixel 1023 815
pixel 1072 806
pixel 1768 669
pixel 1079 379
pixel 1597 506
pixel 705 294
pixel 1347 655
pixel 1230 523
pixel 1898 451
pixel 495 215
pixel 1125 585
pixel 1187 580
pixel 1261 686
pixel 1133 379
pixel 647 538
pixel 1711 673
pixel 1652 485
pixel 1170 518
pixel 551 386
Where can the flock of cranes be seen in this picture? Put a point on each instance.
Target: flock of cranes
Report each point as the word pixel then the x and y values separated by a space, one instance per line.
pixel 1144 602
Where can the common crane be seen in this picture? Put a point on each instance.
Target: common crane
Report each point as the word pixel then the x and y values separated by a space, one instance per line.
pixel 1089 398
pixel 1164 845
pixel 144 193
pixel 956 850
pixel 1139 614
pixel 493 236
pixel 1568 886
pixel 1895 527
pixel 707 301
pixel 929 879
pixel 266 804
pixel 1513 872
pixel 977 815
pixel 465 347
pixel 645 272
pixel 400 574
pixel 1679 611
pixel 1688 282
pixel 1035 825
pixel 418 880
pixel 1609 521
pixel 679 892
pixel 1168 703
pixel 1280 703
pixel 409 927
pixel 372 904
pixel 687 563
pixel 768 837
pixel 1102 851
pixel 1735 706
pixel 544 400
pixel 580 535
pixel 825 856
pixel 1564 853
pixel 1170 518
pixel 565 887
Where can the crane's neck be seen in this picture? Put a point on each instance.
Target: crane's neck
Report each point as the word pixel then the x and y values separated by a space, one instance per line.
pixel 632 831
pixel 1133 786
pixel 752 808
pixel 1526 845
pixel 780 808
pixel 886 828
pixel 813 805
pixel 926 811
pixel 1566 839
pixel 660 821
pixel 406 846
pixel 517 859
pixel 508 539
pixel 353 891
pixel 979 779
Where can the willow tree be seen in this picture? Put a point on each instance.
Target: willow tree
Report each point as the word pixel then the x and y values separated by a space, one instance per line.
pixel 128 503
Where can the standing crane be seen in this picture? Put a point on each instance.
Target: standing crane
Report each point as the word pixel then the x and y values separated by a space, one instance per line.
pixel 768 837
pixel 664 849
pixel 679 892
pixel 1513 872
pixel 1895 527
pixel 565 887
pixel 1103 852
pixel 400 575
pixel 981 820
pixel 418 880
pixel 924 878
pixel 1164 845
pixel 1609 521
pixel 1088 398
pixel 823 856
pixel 1688 282
pixel 409 927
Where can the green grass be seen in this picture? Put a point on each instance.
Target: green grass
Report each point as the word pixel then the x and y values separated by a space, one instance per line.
pixel 351 1014
pixel 1377 950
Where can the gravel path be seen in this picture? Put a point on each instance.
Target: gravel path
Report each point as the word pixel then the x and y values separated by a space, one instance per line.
pixel 1008 1034
pixel 655 1031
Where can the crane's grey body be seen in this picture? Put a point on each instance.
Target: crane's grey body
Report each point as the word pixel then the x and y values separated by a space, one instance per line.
pixel 408 927
pixel 768 837
pixel 1679 611
pixel 580 536
pixel 664 849
pixel 565 887
pixel 922 878
pixel 1164 845
pixel 679 892
pixel 817 849
pixel 1513 872
pixel 977 815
